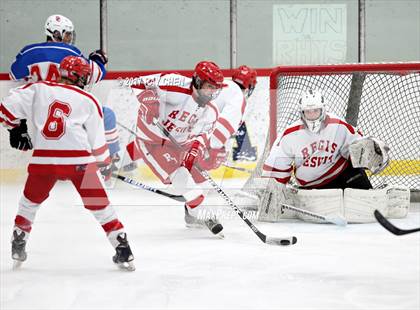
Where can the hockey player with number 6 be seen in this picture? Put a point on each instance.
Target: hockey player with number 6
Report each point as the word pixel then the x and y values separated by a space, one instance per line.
pixel 184 107
pixel 41 61
pixel 327 154
pixel 69 144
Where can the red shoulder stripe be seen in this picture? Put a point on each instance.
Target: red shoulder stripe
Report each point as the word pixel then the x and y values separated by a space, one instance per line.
pixel 293 129
pixel 330 120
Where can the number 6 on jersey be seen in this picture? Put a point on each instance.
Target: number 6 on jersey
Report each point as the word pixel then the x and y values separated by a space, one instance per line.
pixel 55 125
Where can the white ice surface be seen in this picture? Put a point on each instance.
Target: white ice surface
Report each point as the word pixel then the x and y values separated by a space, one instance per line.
pixel 69 261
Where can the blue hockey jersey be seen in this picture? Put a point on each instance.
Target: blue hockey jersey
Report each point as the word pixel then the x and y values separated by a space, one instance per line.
pixel 40 62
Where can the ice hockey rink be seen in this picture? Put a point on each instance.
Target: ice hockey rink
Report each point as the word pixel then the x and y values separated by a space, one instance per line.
pixel 361 266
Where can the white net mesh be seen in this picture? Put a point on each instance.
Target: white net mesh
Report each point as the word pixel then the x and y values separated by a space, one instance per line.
pixel 383 102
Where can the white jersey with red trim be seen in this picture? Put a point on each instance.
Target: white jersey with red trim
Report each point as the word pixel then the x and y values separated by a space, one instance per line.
pixel 68 123
pixel 179 113
pixel 317 158
pixel 231 103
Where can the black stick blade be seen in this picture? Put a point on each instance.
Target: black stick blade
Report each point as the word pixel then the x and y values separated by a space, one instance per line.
pixel 390 227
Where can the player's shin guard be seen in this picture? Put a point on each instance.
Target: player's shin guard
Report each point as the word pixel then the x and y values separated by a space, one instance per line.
pixel 26 214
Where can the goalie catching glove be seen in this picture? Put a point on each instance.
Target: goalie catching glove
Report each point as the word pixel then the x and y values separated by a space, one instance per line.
pixel 369 153
pixel 19 137
pixel 149 105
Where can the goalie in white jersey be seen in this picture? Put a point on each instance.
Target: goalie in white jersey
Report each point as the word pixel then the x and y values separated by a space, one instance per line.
pixel 68 144
pixel 327 154
pixel 316 147
pixel 184 107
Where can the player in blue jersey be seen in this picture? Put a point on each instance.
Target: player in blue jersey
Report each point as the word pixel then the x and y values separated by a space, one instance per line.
pixel 41 61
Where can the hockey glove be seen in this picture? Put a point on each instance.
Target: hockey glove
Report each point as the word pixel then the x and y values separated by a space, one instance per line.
pixel 215 158
pixel 99 56
pixel 149 105
pixel 195 152
pixel 19 137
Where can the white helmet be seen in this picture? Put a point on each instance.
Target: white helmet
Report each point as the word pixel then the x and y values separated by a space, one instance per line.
pixel 60 29
pixel 312 100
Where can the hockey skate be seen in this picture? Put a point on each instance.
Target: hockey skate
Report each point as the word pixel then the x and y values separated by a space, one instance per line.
pixel 18 248
pixel 123 256
pixel 211 223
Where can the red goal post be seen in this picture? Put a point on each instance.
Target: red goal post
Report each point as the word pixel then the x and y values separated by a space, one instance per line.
pixel 381 99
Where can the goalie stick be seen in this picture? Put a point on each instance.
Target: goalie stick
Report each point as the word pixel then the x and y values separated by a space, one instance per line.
pixel 337 220
pixel 264 238
pixel 390 227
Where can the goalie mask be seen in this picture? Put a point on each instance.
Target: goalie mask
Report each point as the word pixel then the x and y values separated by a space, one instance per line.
pixel 312 109
pixel 59 28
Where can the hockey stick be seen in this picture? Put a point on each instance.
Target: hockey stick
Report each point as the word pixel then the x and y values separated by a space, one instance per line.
pixel 264 238
pixel 128 180
pixel 390 227
pixel 226 164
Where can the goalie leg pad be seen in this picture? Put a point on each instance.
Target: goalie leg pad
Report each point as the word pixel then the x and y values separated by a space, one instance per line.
pixel 359 204
pixel 328 202
pixel 269 207
pixel 398 201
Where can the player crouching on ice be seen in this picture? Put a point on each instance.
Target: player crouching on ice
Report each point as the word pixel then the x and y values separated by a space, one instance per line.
pixel 183 107
pixel 69 143
pixel 328 157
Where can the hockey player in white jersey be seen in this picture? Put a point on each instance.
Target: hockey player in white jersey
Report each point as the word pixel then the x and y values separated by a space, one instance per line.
pixel 232 106
pixel 246 78
pixel 325 152
pixel 68 144
pixel 184 107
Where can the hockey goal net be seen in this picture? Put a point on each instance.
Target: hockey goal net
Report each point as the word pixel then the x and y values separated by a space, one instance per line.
pixel 382 100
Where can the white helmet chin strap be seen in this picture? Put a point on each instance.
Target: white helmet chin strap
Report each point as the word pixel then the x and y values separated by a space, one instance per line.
pixel 313 126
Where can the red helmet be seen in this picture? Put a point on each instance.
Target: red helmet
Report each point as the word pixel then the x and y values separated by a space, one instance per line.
pixel 207 71
pixel 246 77
pixel 75 69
